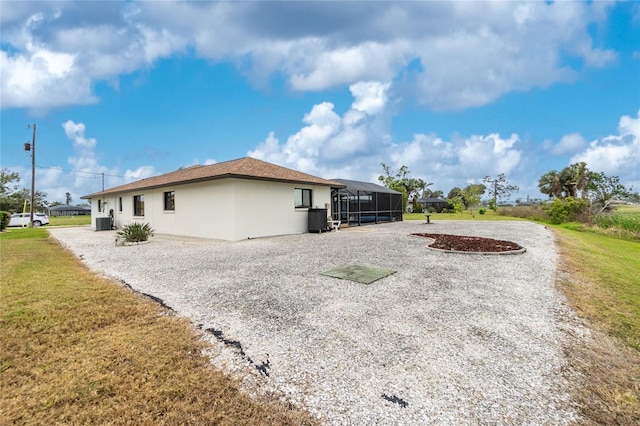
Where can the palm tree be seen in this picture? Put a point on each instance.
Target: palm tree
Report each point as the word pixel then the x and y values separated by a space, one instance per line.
pixel 551 183
pixel 581 178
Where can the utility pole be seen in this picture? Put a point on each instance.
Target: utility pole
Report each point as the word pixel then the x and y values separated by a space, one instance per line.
pixel 33 175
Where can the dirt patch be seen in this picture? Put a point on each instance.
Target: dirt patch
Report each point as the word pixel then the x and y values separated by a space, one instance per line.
pixel 462 243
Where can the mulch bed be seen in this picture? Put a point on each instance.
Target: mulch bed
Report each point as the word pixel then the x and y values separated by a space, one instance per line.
pixel 470 244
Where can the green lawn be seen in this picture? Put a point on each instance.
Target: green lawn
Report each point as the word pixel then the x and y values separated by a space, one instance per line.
pixel 147 368
pixel 465 215
pixel 69 220
pixel 607 268
pixel 80 349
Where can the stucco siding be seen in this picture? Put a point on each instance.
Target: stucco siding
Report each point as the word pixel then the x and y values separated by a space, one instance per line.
pixel 267 208
pixel 229 209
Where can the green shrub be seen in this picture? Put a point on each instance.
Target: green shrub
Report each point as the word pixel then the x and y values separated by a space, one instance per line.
pixel 431 209
pixel 136 232
pixel 567 210
pixel 482 211
pixel 4 220
pixel 417 208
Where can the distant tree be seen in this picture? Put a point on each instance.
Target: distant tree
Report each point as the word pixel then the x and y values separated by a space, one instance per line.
pixel 551 184
pixel 603 189
pixel 8 182
pixel 499 187
pixel 458 203
pixel 55 204
pixel 571 181
pixel 67 198
pixel 12 199
pixel 8 185
pixel 455 192
pixel 15 201
pixel 413 187
pixel 437 193
pixel 471 195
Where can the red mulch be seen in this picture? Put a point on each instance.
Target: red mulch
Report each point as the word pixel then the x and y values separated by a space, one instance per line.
pixel 471 244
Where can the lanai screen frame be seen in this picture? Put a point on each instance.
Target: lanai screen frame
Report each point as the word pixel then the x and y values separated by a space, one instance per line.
pixel 361 203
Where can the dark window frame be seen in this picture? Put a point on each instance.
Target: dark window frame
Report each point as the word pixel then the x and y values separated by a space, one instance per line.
pixel 169 198
pixel 120 204
pixel 138 205
pixel 300 200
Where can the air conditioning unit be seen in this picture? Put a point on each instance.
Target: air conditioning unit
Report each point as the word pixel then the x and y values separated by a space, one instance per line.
pixel 103 223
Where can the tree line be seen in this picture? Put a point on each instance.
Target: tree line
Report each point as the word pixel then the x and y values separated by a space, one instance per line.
pixel 12 199
pixel 594 190
pixel 459 199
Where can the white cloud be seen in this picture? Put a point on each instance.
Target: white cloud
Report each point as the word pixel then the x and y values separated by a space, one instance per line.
pixel 41 79
pixel 617 155
pixel 88 174
pixel 331 138
pixel 487 155
pixel 75 132
pixel 568 144
pixel 370 96
pixel 329 146
pixel 346 65
pixel 470 53
pixel 139 173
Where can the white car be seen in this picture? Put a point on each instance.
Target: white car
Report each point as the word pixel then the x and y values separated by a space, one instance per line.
pixel 22 219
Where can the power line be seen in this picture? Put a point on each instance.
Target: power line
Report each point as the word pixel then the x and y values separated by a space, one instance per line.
pixel 95 174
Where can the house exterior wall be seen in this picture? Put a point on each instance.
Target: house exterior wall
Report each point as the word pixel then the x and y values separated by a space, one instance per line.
pixel 266 208
pixel 228 209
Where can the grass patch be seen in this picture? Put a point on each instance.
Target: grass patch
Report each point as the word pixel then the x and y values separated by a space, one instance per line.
pixel 465 215
pixel 69 220
pixel 80 349
pixel 609 290
pixel 599 276
pixel 625 225
pixel 22 233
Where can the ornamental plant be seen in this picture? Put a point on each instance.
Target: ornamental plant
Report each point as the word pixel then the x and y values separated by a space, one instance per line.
pixel 136 232
pixel 5 217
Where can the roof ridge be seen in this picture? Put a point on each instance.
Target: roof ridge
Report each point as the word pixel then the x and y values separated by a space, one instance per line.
pixel 244 167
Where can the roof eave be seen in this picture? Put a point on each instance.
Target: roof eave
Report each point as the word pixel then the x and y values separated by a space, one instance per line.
pixel 210 178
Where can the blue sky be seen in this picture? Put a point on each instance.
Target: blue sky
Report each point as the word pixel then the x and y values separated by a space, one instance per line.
pixel 453 90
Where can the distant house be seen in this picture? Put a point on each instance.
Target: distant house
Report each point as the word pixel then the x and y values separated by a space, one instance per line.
pixel 358 203
pixel 233 200
pixel 65 210
pixel 438 204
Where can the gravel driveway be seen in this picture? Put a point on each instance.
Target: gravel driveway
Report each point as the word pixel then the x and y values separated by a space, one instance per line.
pixel 448 339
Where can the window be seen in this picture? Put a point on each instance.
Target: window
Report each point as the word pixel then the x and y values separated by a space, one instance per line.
pixel 99 206
pixel 120 204
pixel 302 198
pixel 170 200
pixel 138 205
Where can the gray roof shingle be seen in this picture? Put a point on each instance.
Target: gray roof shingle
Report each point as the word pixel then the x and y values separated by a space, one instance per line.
pixel 242 168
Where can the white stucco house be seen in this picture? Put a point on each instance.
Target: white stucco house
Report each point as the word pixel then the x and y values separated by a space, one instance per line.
pixel 232 200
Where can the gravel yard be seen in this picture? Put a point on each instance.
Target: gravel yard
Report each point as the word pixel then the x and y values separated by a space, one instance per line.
pixel 448 339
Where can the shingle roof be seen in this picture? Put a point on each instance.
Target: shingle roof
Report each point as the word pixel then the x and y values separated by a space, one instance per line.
pixel 242 168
